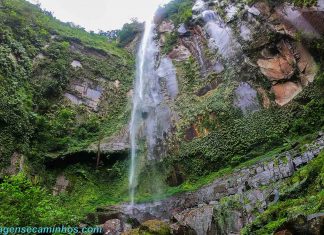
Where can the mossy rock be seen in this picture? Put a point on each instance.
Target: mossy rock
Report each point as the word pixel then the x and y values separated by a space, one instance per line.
pixel 154 227
pixel 132 232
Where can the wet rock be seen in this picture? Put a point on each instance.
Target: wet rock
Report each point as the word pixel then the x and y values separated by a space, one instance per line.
pixel 167 73
pixel 218 67
pixel 134 44
pixel 166 27
pixel 285 92
pixel 245 32
pixel 231 12
pixel 263 7
pixel 199 7
pixel 308 21
pixel 221 36
pixel 61 185
pixel 180 53
pixel 245 98
pixel 190 209
pixel 176 177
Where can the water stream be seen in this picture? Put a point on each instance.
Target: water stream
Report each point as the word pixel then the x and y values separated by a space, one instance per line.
pixel 144 70
pixel 155 86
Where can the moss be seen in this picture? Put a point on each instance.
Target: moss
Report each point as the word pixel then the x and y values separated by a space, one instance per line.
pixel 132 232
pixel 154 227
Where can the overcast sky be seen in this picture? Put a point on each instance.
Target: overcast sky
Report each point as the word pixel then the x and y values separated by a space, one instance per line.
pixel 100 14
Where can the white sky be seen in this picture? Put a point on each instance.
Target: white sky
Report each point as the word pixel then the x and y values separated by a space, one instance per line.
pixel 100 14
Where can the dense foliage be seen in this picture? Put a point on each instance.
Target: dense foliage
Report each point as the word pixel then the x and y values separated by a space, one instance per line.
pixel 36 52
pixel 24 204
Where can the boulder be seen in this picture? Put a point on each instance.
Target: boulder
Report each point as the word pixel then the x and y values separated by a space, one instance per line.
pixel 307 21
pixel 279 66
pixel 199 219
pixel 285 92
pixel 155 227
pixel 112 227
pixel 76 64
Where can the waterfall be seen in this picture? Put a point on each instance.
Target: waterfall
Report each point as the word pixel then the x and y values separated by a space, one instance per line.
pixel 155 85
pixel 144 70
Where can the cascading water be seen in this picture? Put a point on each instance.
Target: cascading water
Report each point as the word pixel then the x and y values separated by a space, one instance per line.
pixel 151 116
pixel 145 67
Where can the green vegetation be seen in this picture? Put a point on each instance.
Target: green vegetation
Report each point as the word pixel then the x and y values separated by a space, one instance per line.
pixel 36 52
pixel 305 3
pixel 302 194
pixel 129 32
pixel 179 11
pixel 171 40
pixel 24 204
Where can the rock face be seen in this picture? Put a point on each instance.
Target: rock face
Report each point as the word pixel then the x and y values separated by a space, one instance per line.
pixel 116 143
pixel 17 162
pixel 86 93
pixel 195 211
pixel 61 185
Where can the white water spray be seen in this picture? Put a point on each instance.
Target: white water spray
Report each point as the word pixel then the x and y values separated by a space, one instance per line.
pixel 155 86
pixel 145 66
